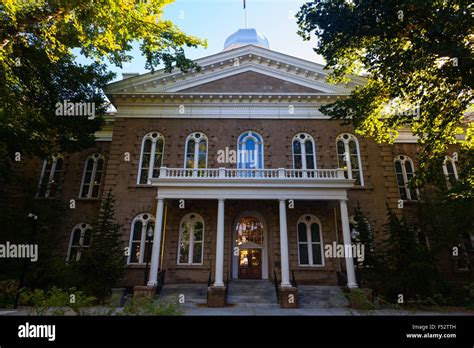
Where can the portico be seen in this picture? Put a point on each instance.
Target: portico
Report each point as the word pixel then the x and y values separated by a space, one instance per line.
pixel 284 186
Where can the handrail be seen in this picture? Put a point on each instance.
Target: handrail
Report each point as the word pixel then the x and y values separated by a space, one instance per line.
pixel 226 289
pixel 245 174
pixel 293 279
pixel 209 280
pixel 275 281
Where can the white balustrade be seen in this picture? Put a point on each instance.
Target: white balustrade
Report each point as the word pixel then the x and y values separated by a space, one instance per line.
pixel 251 174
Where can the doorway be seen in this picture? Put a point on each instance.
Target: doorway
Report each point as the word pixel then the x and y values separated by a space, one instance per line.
pixel 250 264
pixel 249 248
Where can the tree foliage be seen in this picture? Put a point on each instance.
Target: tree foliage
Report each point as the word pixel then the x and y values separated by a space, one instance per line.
pixel 417 56
pixel 102 265
pixel 38 68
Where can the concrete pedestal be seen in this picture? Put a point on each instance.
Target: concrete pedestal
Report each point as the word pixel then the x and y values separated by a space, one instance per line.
pixel 288 297
pixel 144 291
pixel 216 296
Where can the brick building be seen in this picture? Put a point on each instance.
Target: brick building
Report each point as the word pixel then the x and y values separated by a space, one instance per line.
pixel 235 171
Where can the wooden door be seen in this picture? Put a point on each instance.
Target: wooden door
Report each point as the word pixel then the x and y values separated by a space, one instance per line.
pixel 250 264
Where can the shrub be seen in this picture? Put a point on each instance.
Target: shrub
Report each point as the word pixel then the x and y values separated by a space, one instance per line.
pixel 8 291
pixel 147 306
pixel 360 299
pixel 56 299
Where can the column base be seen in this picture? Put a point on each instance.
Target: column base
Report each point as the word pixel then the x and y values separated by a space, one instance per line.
pixel 288 297
pixel 352 285
pixel 216 296
pixel 144 291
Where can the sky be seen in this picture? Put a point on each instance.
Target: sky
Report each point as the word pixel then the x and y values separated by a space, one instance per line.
pixel 215 20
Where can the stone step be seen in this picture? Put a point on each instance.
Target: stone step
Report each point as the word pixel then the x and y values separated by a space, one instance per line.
pixel 252 293
pixel 193 293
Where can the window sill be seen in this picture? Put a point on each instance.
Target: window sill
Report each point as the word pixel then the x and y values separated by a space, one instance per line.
pixel 362 188
pixel 82 199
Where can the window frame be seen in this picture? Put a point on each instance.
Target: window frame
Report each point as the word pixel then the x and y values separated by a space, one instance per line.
pixel 402 159
pixel 309 241
pixel 52 173
pixel 346 138
pixel 146 219
pixel 96 157
pixel 446 173
pixel 308 137
pixel 83 227
pixel 197 141
pixel 153 152
pixel 191 242
pixel 242 145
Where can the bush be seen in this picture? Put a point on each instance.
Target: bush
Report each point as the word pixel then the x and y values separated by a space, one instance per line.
pixel 8 291
pixel 57 300
pixel 360 299
pixel 147 306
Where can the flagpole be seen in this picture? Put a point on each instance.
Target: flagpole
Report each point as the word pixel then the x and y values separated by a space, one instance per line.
pixel 245 9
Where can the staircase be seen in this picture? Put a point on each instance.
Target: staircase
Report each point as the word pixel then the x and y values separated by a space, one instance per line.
pixel 252 293
pixel 317 296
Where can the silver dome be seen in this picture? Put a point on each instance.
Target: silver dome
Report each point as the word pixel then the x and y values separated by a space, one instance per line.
pixel 243 37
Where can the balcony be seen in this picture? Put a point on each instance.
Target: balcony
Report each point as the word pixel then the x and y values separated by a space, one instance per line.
pixel 251 183
pixel 249 174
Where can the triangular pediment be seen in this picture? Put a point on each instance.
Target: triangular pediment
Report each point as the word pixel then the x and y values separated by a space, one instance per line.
pixel 248 69
pixel 250 82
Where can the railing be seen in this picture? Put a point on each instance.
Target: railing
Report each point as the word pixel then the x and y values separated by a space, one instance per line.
pixel 275 281
pixel 233 173
pixel 226 289
pixel 293 279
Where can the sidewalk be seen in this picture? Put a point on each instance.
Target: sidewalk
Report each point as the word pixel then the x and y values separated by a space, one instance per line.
pixel 276 311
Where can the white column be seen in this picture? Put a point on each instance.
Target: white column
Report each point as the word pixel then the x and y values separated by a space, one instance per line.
pixel 155 256
pixel 285 267
pixel 346 234
pixel 219 278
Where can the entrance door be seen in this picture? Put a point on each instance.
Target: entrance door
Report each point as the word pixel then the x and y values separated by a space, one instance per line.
pixel 250 264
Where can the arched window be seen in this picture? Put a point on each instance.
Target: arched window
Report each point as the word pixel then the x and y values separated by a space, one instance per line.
pixel 80 239
pixel 310 241
pixel 92 176
pixel 250 151
pixel 404 171
pixel 191 240
pixel 303 152
pixel 196 151
pixel 139 239
pixel 50 177
pixel 348 156
pixel 151 157
pixel 450 171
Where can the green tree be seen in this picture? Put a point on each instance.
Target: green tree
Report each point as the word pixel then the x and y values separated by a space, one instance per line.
pixel 38 68
pixel 417 55
pixel 404 265
pixel 102 265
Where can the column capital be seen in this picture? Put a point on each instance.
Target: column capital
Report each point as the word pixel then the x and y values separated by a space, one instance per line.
pixel 344 201
pixel 221 199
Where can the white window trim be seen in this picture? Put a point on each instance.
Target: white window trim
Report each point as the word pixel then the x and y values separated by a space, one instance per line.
pixel 303 150
pixel 145 222
pixel 149 136
pixel 445 170
pixel 347 155
pixel 83 227
pixel 242 146
pixel 95 157
pixel 192 136
pixel 403 159
pixel 191 241
pixel 51 175
pixel 309 243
